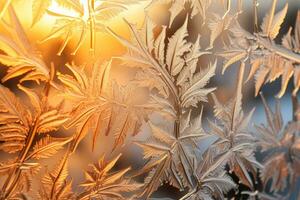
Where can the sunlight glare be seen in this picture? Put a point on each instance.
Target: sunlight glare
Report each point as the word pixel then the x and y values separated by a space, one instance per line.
pixel 55 7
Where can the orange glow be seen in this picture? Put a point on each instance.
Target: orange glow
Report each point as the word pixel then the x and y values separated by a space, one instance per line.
pixel 134 14
pixel 55 7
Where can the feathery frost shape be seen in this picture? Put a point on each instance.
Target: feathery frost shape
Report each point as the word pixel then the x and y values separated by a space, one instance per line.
pixel 280 145
pixel 99 104
pixel 168 64
pixel 213 181
pixel 20 128
pixel 55 184
pixel 171 156
pixel 88 20
pixel 268 60
pixel 102 183
pixel 234 138
pixel 173 63
pixel 21 57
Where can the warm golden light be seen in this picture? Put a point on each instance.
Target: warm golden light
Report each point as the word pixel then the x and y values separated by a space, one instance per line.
pixel 56 8
pixel 137 88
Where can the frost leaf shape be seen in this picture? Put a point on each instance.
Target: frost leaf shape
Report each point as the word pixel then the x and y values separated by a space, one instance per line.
pixel 175 64
pixel 101 183
pixel 176 6
pixel 173 59
pixel 69 26
pixel 280 145
pixel 213 181
pixel 139 51
pixel 24 185
pixel 47 147
pixel 100 106
pixel 194 91
pixel 271 24
pixel 48 118
pixel 278 60
pixel 170 157
pixel 20 56
pixel 272 67
pixel 234 136
pixel 15 122
pixel 292 42
pixel 19 132
pixel 39 8
pixel 129 113
pixel 218 25
pixel 55 184
pixel 161 105
pixel 236 56
pixel 177 46
pixel 51 121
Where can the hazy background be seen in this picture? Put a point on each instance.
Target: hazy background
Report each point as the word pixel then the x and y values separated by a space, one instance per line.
pixel 107 46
